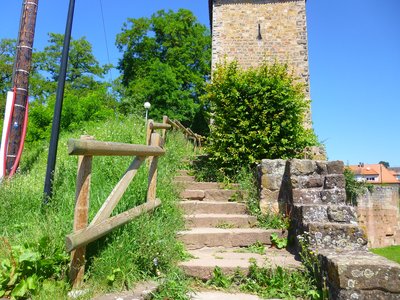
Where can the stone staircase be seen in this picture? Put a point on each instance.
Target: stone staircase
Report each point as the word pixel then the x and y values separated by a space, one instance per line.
pixel 219 231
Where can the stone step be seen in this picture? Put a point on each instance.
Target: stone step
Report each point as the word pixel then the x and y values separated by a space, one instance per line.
pixel 184 172
pixel 205 185
pixel 215 295
pixel 230 259
pixel 360 275
pixel 220 221
pixel 212 195
pixel 184 178
pixel 204 207
pixel 336 236
pixel 311 213
pixel 197 238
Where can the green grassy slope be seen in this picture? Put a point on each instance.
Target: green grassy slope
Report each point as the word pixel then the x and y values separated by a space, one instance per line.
pixel 392 252
pixel 141 249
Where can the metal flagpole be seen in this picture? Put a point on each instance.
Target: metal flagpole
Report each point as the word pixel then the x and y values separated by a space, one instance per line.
pixel 51 160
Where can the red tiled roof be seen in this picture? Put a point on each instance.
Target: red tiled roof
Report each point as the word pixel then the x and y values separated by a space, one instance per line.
pixel 384 175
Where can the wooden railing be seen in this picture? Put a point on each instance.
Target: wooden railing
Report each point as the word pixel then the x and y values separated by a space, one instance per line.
pixel 86 147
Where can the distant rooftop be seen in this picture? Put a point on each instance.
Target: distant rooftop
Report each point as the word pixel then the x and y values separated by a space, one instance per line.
pixel 384 175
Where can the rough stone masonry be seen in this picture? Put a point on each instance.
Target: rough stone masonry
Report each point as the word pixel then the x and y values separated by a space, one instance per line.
pixel 313 194
pixel 254 31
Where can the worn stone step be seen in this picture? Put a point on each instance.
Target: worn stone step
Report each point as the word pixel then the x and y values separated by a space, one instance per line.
pixel 184 172
pixel 230 259
pixel 212 195
pixel 203 207
pixel 220 220
pixel 184 178
pixel 205 185
pixel 360 275
pixel 336 236
pixel 309 213
pixel 215 295
pixel 234 237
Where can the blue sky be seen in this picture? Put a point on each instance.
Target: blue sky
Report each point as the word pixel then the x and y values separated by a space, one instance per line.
pixel 354 55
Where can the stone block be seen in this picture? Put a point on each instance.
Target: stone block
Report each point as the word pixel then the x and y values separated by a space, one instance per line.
pixel 299 167
pixel 271 181
pixel 306 196
pixel 362 271
pixel 269 201
pixel 363 295
pixel 313 181
pixel 342 214
pixel 321 167
pixel 273 166
pixel 336 236
pixel 310 213
pixel 335 167
pixel 334 181
pixel 333 196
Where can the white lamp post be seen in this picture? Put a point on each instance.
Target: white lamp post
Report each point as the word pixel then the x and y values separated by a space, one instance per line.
pixel 147 106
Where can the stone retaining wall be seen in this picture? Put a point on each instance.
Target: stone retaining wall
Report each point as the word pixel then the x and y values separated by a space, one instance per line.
pixel 378 213
pixel 313 194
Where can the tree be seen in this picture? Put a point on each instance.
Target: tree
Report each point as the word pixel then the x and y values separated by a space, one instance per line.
pixel 166 61
pixel 86 96
pixel 83 72
pixel 385 163
pixel 258 113
pixel 7 53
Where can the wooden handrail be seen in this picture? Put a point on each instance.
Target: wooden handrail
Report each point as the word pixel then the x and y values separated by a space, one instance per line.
pixel 159 126
pixel 102 223
pixel 98 148
pixel 172 123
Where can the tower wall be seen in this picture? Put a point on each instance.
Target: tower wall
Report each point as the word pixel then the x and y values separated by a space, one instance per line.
pixel 236 25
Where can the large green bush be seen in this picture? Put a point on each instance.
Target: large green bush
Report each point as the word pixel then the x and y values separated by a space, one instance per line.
pixel 258 113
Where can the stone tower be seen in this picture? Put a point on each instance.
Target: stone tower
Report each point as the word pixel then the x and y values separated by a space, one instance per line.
pixel 252 31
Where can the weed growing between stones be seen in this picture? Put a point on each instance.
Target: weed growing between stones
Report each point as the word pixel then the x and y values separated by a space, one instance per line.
pixel 278 242
pixel 312 264
pixel 174 286
pixel 267 283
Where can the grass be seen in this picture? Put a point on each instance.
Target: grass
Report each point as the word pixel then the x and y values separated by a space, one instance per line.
pixel 392 252
pixel 142 249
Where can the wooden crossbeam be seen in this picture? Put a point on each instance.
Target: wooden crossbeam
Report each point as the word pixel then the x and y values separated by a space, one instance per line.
pixel 97 148
pixel 118 191
pixel 92 233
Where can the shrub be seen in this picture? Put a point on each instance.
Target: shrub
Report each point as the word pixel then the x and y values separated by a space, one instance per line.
pixel 355 188
pixel 258 113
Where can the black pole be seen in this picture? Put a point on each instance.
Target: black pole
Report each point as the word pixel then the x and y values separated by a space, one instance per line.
pixel 55 130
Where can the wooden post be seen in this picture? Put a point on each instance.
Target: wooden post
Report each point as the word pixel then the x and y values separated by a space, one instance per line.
pixel 153 160
pixel 164 131
pixel 77 268
pixel 148 132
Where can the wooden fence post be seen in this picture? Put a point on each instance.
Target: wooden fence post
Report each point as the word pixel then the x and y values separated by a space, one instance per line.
pixel 81 212
pixel 164 131
pixel 152 185
pixel 148 132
